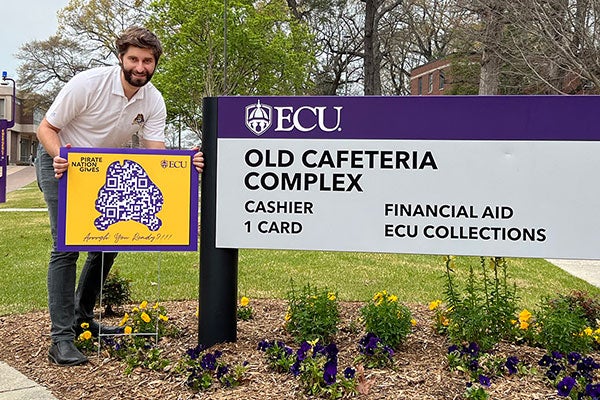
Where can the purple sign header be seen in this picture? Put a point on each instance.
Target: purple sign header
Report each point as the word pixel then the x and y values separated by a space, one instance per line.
pixel 516 118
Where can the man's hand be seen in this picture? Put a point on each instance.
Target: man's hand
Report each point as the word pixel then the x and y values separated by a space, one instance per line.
pixel 60 164
pixel 198 160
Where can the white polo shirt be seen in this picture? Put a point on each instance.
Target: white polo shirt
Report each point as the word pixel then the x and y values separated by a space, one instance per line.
pixel 91 110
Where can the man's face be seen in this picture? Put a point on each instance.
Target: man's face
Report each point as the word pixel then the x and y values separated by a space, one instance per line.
pixel 138 66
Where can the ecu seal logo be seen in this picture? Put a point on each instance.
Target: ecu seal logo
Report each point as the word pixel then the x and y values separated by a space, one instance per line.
pixel 258 117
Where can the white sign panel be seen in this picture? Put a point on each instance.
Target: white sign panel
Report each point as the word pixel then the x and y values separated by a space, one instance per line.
pixel 517 198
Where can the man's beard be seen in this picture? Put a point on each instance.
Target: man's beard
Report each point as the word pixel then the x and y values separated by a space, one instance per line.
pixel 134 80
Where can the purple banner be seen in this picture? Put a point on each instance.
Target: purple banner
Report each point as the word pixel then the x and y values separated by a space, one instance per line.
pixel 515 118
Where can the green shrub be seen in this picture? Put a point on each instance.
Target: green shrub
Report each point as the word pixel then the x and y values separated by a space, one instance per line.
pixel 116 292
pixel 388 319
pixel 483 314
pixel 589 306
pixel 561 326
pixel 312 314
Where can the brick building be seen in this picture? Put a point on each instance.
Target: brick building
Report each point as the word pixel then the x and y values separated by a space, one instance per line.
pixel 431 79
pixel 21 138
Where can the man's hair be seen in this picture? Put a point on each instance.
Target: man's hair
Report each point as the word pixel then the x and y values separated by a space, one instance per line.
pixel 139 37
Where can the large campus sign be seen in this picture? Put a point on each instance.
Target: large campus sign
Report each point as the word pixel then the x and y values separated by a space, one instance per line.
pixel 502 176
pixel 128 200
pixel 505 175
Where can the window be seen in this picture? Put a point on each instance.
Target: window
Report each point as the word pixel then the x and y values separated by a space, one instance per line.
pixel 420 85
pixel 430 82
pixel 442 79
pixel 1 108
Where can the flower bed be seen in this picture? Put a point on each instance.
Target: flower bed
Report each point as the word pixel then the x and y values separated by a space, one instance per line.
pixel 420 365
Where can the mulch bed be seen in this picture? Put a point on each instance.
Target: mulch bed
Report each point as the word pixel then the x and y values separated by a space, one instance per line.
pixel 420 372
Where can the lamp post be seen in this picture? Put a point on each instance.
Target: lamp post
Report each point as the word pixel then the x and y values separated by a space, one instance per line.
pixel 4 126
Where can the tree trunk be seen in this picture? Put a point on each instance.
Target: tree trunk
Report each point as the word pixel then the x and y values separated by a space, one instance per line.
pixel 491 63
pixel 372 60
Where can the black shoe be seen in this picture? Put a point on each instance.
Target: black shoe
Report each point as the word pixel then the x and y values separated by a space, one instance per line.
pixel 65 353
pixel 95 328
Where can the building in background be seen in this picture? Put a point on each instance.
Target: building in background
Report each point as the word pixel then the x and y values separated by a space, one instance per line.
pixel 21 139
pixel 456 75
pixel 430 79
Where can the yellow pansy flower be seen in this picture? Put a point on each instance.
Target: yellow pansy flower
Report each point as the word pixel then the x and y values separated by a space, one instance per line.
pixel 163 317
pixel 143 305
pixel 145 317
pixel 244 301
pixel 85 335
pixel 331 296
pixel 155 306
pixel 524 315
pixel 434 304
pixel 524 325
pixel 124 319
pixel 127 330
pixel 392 298
pixel 413 322
pixel 85 325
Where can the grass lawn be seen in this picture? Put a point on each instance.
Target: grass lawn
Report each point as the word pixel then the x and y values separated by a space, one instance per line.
pixel 25 245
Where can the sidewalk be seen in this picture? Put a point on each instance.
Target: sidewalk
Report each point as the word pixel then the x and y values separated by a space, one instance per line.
pixel 16 386
pixel 18 176
pixel 588 270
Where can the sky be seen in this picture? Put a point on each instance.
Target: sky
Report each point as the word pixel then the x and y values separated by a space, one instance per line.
pixel 22 21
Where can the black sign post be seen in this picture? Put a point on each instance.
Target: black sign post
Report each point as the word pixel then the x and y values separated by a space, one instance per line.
pixel 217 307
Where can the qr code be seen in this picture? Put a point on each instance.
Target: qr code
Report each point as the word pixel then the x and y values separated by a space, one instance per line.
pixel 128 194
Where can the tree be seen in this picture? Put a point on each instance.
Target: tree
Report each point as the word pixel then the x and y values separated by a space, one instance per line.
pixel 85 38
pixel 47 66
pixel 267 52
pixel 555 44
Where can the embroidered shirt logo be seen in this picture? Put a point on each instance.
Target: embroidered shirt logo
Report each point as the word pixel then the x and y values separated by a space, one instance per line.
pixel 138 120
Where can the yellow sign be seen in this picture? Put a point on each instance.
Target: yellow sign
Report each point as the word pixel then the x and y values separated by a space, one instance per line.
pixel 126 200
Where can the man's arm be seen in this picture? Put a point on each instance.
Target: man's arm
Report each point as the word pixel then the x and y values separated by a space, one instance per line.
pixel 47 134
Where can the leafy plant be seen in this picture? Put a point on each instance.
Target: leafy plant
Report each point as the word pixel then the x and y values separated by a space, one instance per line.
pixel 480 367
pixel 374 353
pixel 483 313
pixel 280 357
pixel 244 310
pixel 116 292
pixel 313 314
pixel 562 326
pixel 317 368
pixel 440 316
pixel 387 319
pixel 143 328
pixel 204 368
pixel 85 340
pixel 315 365
pixel 573 375
pixel 589 305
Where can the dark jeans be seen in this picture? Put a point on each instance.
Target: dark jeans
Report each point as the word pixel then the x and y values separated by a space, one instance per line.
pixel 68 307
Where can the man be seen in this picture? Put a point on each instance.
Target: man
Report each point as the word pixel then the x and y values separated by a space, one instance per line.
pixel 101 107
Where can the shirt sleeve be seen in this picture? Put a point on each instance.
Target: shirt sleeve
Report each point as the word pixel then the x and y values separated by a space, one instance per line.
pixel 70 102
pixel 154 127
